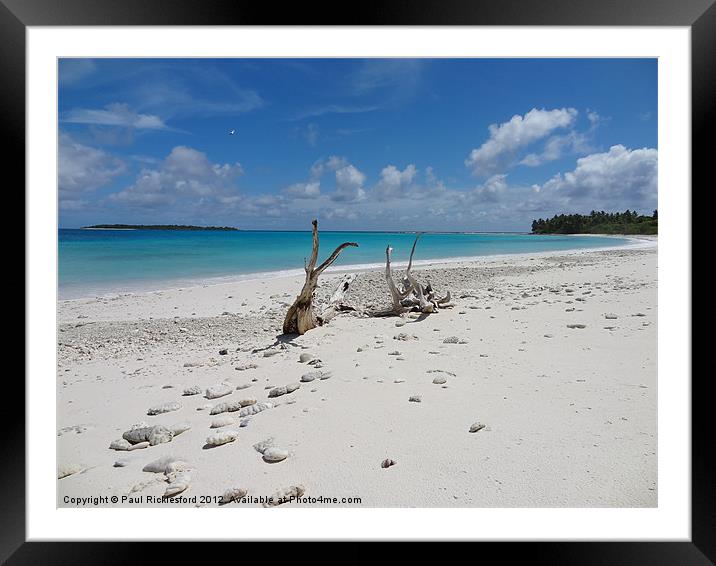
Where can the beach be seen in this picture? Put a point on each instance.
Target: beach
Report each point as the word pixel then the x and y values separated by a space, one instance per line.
pixel 551 360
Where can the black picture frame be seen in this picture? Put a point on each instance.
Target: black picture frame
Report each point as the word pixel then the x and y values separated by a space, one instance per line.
pixel 699 15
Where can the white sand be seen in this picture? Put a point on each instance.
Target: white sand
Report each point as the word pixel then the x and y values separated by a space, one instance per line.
pixel 570 413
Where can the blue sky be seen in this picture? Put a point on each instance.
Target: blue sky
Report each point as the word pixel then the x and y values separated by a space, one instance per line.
pixel 362 144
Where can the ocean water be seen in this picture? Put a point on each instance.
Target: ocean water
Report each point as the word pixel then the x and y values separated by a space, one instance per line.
pixel 98 262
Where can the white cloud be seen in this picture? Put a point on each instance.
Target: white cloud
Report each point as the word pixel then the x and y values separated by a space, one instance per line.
pixel 262 206
pixel 317 169
pixel 340 213
pixel 614 180
pixel 555 147
pixel 618 178
pixel 186 186
pixel 117 114
pixel 393 182
pixel 507 138
pixel 491 190
pixel 185 175
pixel 349 185
pixel 82 169
pixel 333 163
pixel 304 190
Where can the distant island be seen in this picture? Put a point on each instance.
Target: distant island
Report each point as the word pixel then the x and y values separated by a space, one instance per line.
pixel 627 222
pixel 157 227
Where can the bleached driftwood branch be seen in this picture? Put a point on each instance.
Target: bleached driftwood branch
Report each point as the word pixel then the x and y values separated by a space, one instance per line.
pixel 410 296
pixel 336 303
pixel 301 317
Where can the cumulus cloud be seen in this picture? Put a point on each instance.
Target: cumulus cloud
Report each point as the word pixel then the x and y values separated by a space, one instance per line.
pixel 613 180
pixel 393 182
pixel 185 175
pixel 349 180
pixel 491 190
pixel 340 213
pixel 186 185
pixel 349 185
pixel 82 169
pixel 333 163
pixel 120 115
pixel 621 175
pixel 336 162
pixel 500 150
pixel 555 147
pixel 304 190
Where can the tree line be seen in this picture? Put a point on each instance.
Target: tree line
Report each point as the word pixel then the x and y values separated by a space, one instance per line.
pixel 627 222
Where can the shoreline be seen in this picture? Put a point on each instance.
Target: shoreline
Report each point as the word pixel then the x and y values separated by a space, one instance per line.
pixel 633 242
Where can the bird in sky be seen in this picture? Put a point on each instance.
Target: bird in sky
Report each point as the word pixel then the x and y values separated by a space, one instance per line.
pixel 232 132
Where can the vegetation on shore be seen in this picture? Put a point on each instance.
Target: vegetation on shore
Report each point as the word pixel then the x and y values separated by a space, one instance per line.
pixel 627 222
pixel 159 227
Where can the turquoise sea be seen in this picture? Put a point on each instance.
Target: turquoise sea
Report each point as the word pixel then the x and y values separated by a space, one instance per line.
pixel 98 262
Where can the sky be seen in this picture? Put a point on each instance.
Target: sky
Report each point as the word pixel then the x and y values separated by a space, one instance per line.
pixel 360 144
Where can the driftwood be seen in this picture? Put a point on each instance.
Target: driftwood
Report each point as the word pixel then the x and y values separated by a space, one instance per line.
pixel 301 317
pixel 410 295
pixel 335 303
